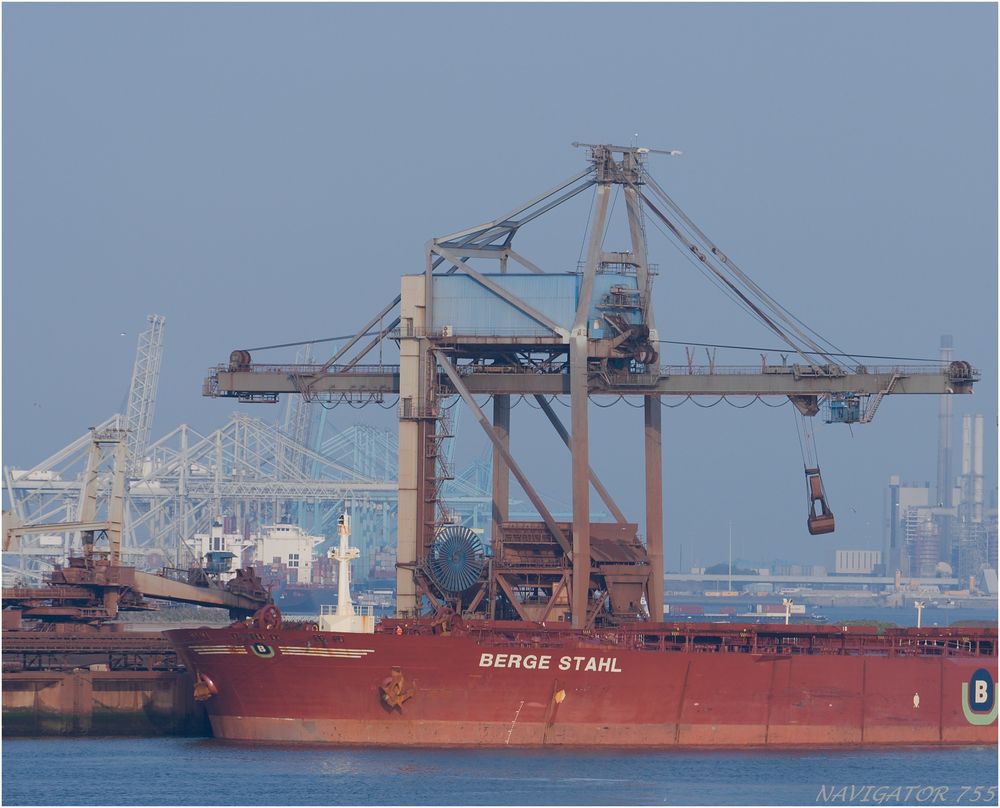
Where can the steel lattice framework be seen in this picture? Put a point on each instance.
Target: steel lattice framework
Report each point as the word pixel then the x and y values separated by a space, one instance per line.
pixel 248 468
pixel 142 391
pixel 258 471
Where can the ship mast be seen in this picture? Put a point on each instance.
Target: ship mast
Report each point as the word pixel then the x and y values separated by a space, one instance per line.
pixel 345 617
pixel 344 555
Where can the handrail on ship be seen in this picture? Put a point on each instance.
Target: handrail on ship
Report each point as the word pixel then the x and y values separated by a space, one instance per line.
pixel 761 640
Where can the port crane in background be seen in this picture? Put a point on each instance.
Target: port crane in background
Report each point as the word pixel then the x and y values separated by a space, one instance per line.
pixel 179 483
pixel 142 392
pixel 95 586
pixel 47 494
pixel 517 342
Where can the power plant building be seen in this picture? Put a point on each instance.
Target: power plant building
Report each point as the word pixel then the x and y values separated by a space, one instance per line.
pixel 945 529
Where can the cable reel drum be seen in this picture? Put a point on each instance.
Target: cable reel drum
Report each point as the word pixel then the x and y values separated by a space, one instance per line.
pixel 456 560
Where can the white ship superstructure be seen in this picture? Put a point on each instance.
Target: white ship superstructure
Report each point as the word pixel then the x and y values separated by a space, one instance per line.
pixel 285 544
pixel 289 545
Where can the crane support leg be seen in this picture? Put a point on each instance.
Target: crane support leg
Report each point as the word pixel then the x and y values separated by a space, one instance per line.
pixel 501 472
pixel 654 503
pixel 580 480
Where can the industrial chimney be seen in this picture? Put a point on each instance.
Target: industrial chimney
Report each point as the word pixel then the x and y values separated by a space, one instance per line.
pixel 944 482
pixel 977 471
pixel 966 478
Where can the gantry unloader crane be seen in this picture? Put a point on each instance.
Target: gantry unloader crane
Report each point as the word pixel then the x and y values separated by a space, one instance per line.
pixel 519 330
pixel 95 586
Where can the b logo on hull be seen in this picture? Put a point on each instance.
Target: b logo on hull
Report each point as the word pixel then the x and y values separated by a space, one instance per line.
pixel 261 650
pixel 979 701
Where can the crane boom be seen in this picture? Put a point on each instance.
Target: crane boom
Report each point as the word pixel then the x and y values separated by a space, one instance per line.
pixel 266 382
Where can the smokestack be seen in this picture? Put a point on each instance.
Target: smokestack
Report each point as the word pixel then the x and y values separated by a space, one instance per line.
pixel 965 484
pixel 977 471
pixel 966 446
pixel 944 483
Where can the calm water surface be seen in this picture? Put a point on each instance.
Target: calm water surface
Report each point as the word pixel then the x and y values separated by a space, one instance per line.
pixel 196 771
pixel 187 771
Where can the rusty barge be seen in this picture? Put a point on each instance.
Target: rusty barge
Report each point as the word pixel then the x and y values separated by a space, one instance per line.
pixel 96 682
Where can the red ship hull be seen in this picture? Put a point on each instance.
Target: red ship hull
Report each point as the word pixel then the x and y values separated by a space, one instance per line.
pixel 654 685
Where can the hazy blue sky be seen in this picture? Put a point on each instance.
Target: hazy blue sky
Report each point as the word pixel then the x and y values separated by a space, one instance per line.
pixel 264 173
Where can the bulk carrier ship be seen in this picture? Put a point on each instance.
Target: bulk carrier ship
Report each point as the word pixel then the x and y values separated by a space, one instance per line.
pixel 555 633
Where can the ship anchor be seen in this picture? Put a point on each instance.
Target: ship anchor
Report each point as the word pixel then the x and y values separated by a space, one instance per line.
pixel 394 691
pixel 204 688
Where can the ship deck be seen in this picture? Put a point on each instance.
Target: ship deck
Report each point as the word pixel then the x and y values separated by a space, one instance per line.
pixel 729 638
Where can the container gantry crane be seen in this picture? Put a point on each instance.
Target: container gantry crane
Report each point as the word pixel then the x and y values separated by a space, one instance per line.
pixel 518 330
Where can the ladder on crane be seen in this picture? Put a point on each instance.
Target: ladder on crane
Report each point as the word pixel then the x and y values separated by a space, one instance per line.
pixel 872 407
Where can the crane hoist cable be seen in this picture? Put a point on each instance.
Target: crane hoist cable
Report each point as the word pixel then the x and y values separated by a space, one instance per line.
pixel 710 248
pixel 757 311
pixel 710 276
pixel 724 259
pixel 746 302
pixel 772 303
pixel 718 264
pixel 706 251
